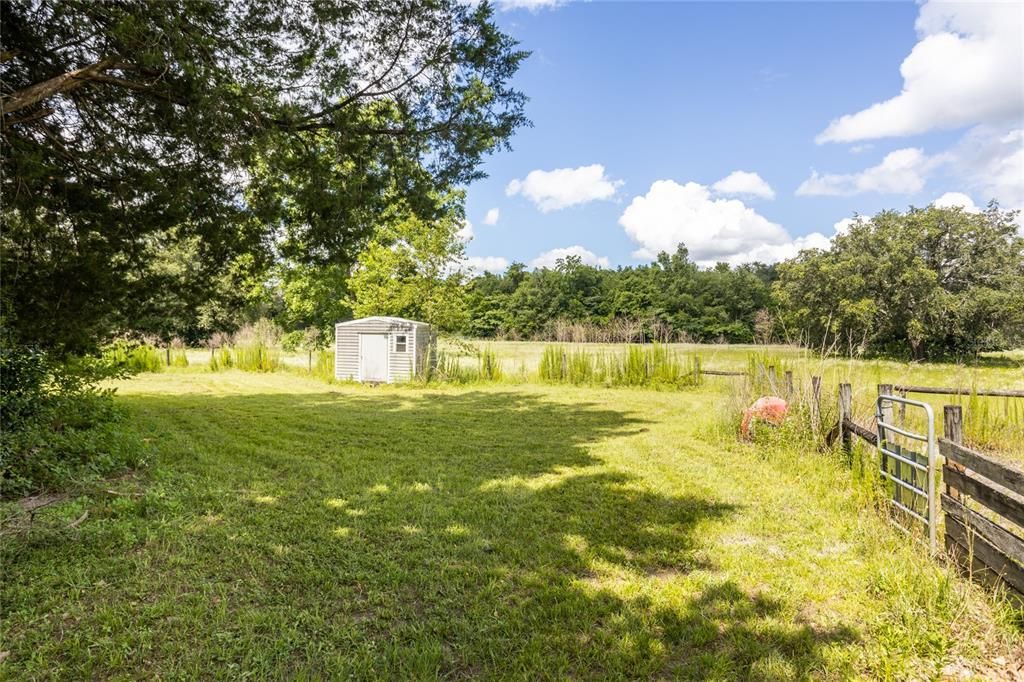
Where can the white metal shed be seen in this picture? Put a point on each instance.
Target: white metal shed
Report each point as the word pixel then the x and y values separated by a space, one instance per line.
pixel 381 349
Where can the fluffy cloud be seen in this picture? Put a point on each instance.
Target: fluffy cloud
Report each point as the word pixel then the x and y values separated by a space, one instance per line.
pixel 712 229
pixel 965 69
pixel 990 161
pixel 492 217
pixel 481 264
pixel 563 187
pixel 465 232
pixel 548 259
pixel 773 253
pixel 956 199
pixel 844 225
pixel 742 183
pixel 900 172
pixel 531 5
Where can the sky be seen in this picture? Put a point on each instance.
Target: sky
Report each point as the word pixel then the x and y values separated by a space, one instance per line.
pixel 746 130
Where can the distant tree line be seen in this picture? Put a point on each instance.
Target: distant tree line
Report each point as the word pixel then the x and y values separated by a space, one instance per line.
pixel 668 300
pixel 925 283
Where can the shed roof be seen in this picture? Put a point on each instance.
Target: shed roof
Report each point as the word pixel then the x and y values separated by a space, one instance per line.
pixel 382 318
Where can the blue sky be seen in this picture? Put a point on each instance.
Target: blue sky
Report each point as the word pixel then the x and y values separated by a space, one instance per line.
pixel 646 106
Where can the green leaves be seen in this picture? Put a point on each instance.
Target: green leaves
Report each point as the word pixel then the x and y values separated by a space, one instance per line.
pixel 258 128
pixel 926 283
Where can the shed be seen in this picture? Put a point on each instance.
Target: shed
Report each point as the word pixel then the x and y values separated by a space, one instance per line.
pixel 381 349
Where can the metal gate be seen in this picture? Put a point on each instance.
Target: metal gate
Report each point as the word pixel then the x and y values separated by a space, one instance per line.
pixel 911 472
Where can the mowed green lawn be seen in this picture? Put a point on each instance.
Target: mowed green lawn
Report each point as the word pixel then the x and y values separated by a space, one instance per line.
pixel 285 528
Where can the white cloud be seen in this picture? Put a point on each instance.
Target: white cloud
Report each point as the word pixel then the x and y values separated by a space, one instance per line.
pixel 965 69
pixel 956 199
pixel 844 225
pixel 742 183
pixel 492 217
pixel 466 233
pixel 481 264
pixel 564 187
pixel 990 161
pixel 900 172
pixel 773 253
pixel 712 229
pixel 531 5
pixel 548 259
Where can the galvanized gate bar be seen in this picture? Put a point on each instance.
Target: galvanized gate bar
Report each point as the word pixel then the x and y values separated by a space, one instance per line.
pixel 931 520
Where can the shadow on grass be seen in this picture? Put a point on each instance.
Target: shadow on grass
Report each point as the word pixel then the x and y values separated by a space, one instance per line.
pixel 404 535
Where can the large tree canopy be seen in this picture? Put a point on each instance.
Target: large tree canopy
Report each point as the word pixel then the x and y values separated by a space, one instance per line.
pixel 257 127
pixel 928 283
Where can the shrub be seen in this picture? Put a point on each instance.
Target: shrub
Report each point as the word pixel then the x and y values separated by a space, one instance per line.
pixel 293 341
pixel 59 426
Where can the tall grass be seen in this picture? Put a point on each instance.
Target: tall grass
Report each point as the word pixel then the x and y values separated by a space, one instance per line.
pixel 256 357
pixel 134 358
pixel 220 359
pixel 489 365
pixel 253 348
pixel 324 366
pixel 652 365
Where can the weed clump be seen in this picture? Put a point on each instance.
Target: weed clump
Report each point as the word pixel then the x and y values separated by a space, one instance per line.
pixel 653 365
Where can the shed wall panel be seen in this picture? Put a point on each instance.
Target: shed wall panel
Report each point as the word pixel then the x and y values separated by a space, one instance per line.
pixel 346 347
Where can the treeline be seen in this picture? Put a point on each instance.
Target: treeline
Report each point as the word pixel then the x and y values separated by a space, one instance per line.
pixel 925 283
pixel 669 300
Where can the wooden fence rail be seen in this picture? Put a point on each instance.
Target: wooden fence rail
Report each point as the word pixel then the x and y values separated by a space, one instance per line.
pixel 988 392
pixel 991 551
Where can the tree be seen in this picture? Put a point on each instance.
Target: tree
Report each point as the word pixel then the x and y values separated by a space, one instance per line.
pixel 926 283
pixel 240 127
pixel 410 269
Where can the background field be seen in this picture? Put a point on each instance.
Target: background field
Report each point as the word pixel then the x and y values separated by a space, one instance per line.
pixel 289 528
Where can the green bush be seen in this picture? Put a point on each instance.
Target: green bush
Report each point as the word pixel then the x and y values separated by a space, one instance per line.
pixel 59 427
pixel 293 341
pixel 179 358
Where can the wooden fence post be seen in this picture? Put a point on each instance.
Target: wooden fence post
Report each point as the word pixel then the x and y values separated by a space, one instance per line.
pixel 815 405
pixel 845 413
pixel 696 368
pixel 789 384
pixel 953 430
pixel 886 389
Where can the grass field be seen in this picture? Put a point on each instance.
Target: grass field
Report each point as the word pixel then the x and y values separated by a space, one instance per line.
pixel 995 424
pixel 286 528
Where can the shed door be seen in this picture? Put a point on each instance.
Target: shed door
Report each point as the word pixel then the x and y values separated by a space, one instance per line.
pixel 373 357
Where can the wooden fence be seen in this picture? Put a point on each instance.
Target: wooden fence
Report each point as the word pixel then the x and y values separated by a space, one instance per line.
pixel 990 549
pixel 987 545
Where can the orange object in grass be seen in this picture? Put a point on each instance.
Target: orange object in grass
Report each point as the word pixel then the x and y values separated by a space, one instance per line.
pixel 771 409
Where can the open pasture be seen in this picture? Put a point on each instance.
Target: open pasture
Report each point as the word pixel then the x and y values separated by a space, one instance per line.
pixel 287 528
pixel 993 423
